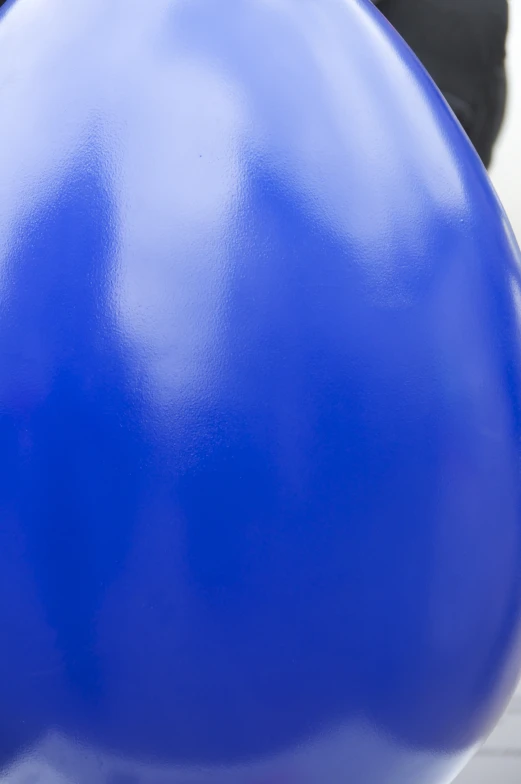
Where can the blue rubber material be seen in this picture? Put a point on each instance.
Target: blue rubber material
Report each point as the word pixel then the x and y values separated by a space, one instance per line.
pixel 259 397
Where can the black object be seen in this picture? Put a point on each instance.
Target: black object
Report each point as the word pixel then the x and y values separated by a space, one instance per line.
pixel 461 43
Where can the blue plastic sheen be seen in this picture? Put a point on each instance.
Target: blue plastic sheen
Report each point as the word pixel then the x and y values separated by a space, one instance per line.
pixel 260 419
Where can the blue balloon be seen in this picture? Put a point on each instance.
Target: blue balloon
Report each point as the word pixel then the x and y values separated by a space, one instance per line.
pixel 260 400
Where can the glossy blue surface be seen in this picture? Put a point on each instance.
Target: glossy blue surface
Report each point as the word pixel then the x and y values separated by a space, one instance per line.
pixel 259 400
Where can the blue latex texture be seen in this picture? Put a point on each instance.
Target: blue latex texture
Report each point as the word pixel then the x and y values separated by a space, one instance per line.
pixel 259 400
